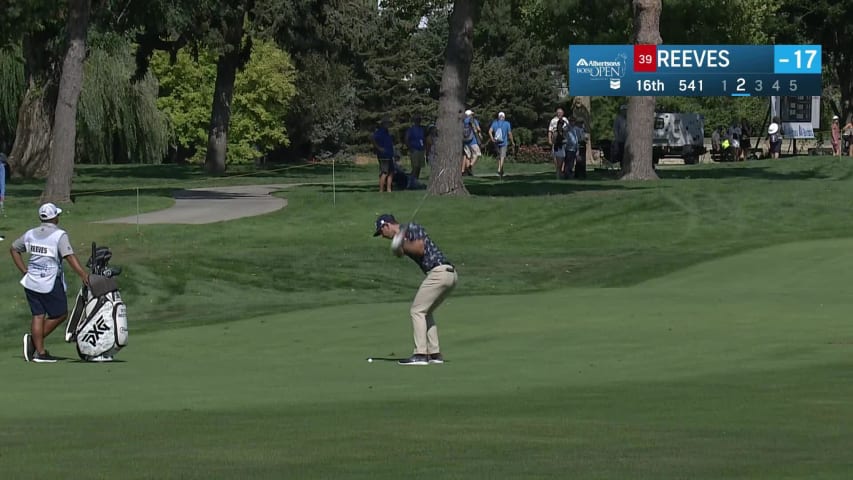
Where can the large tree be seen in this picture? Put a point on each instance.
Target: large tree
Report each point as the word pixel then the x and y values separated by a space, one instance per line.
pixel 233 56
pixel 446 174
pixel 827 23
pixel 64 134
pixel 638 164
pixel 35 26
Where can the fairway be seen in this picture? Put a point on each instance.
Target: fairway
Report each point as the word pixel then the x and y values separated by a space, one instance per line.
pixel 733 368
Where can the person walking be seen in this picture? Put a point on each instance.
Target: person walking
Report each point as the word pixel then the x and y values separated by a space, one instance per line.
pixel 44 281
pixel 413 241
pixel 500 132
pixel 471 142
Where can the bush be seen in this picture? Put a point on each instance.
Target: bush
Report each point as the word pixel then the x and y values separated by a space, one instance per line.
pixel 522 136
pixel 532 154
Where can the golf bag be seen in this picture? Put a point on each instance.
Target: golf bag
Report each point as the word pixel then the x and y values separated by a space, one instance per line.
pixel 98 322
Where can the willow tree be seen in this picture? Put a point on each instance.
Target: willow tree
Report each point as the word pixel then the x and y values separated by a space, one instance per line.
pixel 446 175
pixel 118 120
pixel 12 88
pixel 638 164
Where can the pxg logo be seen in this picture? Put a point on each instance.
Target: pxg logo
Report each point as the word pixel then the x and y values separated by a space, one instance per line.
pixel 99 328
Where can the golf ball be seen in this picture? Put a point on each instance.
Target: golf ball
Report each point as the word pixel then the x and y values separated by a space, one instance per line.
pixel 369 360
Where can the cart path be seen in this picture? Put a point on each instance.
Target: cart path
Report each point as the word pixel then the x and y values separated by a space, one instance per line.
pixel 213 204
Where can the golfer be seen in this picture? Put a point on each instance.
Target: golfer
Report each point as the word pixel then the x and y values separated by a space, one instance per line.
pixel 439 282
pixel 44 283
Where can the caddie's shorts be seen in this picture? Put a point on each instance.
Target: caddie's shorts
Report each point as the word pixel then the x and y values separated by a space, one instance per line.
pixel 385 166
pixel 54 304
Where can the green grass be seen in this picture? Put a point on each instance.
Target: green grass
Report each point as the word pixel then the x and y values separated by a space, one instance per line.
pixel 692 328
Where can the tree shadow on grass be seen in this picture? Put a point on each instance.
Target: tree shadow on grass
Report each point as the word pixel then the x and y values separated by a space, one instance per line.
pixel 545 184
pixel 195 172
pixel 755 169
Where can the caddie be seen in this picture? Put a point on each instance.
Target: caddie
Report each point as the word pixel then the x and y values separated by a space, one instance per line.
pixel 43 281
pixel 413 241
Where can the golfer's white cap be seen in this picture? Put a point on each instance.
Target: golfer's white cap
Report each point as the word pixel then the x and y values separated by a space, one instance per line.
pixel 469 112
pixel 774 127
pixel 49 211
pixel 835 117
pixel 501 115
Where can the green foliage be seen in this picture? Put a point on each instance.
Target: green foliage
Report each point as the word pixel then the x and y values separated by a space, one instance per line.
pixel 185 94
pixel 511 72
pixel 12 87
pixel 262 96
pixel 522 135
pixel 118 121
pixel 326 108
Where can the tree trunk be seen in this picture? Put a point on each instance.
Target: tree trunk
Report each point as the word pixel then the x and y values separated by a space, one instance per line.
pixel 582 110
pixel 638 164
pixel 220 117
pixel 64 136
pixel 845 83
pixel 30 154
pixel 446 174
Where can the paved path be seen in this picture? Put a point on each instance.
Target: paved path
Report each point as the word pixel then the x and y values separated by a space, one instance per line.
pixel 210 205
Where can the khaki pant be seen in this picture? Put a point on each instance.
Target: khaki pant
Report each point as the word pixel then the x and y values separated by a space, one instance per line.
pixel 417 158
pixel 438 283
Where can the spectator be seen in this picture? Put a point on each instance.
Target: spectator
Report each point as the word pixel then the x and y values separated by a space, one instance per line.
pixel 415 141
pixel 471 141
pixel 572 148
pixel 836 136
pixel 847 135
pixel 383 144
pixel 582 138
pixel 745 141
pixel 716 143
pixel 557 130
pixel 734 138
pixel 774 139
pixel 500 133
pixel 429 145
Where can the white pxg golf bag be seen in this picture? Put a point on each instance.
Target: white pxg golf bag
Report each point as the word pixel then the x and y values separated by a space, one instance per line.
pixel 98 323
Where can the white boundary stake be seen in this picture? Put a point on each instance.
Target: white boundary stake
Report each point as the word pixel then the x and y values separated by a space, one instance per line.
pixel 334 198
pixel 137 210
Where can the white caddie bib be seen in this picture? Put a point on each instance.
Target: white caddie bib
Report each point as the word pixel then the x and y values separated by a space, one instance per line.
pixel 45 263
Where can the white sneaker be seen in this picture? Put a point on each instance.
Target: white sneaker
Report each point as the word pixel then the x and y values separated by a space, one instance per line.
pixel 29 347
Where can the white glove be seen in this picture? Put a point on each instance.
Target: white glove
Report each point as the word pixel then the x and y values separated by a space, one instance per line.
pixel 397 243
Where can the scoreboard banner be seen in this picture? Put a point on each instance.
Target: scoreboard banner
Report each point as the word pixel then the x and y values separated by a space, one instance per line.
pixel 695 70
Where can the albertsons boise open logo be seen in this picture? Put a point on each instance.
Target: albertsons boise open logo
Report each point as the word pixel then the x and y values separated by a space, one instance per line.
pixel 603 69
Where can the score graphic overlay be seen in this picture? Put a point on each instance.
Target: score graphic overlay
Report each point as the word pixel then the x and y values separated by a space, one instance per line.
pixel 695 70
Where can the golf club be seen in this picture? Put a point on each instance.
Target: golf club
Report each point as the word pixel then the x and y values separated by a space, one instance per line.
pixel 423 199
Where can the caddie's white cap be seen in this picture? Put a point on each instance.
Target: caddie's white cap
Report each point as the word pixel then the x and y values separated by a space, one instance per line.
pixel 835 117
pixel 501 115
pixel 774 127
pixel 469 112
pixel 49 211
